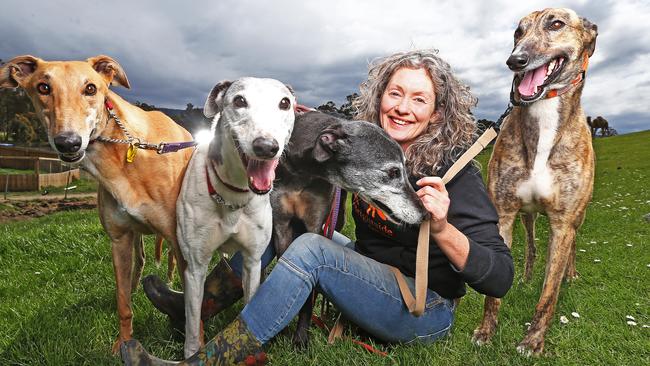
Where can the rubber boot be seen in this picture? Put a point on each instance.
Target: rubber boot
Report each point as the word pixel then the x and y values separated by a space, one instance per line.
pixel 235 345
pixel 222 288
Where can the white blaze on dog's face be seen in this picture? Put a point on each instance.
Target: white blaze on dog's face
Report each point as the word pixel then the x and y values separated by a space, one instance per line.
pixel 258 114
pixel 67 96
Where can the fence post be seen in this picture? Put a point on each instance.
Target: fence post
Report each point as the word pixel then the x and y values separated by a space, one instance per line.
pixel 6 185
pixel 67 182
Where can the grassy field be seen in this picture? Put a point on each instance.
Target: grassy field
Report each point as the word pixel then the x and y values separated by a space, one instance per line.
pixel 57 302
pixel 9 171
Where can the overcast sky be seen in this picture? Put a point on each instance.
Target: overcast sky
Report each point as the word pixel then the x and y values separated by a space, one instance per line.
pixel 174 52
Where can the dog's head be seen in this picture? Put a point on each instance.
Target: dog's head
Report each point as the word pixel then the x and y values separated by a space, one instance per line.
pixel 258 114
pixel 359 157
pixel 68 97
pixel 551 49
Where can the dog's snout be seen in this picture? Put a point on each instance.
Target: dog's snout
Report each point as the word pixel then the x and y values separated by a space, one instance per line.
pixel 517 61
pixel 265 148
pixel 67 142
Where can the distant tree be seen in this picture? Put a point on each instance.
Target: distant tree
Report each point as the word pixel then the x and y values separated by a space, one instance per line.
pixel 146 107
pixel 347 109
pixel 189 107
pixel 329 107
pixel 484 124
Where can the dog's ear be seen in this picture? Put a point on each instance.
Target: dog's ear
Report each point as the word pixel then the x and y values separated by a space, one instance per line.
pixel 329 142
pixel 18 69
pixel 589 37
pixel 110 70
pixel 290 89
pixel 214 103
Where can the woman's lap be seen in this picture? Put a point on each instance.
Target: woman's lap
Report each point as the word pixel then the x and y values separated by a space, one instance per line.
pixel 364 290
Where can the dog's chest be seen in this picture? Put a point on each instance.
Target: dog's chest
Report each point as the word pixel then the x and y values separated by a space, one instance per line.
pixel 539 185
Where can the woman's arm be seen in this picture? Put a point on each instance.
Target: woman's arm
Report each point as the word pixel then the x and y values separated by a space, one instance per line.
pixel 464 226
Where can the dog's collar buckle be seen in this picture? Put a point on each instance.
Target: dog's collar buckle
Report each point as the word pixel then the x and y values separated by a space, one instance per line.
pixel 216 197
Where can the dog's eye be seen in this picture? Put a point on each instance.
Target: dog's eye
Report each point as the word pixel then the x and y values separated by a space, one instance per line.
pixel 43 89
pixel 90 90
pixel 394 173
pixel 556 25
pixel 285 104
pixel 518 32
pixel 240 102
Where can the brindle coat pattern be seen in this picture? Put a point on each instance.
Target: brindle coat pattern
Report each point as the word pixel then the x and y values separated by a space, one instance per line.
pixel 570 165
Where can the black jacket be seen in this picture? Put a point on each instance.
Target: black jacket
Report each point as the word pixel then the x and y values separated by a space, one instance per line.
pixel 489 268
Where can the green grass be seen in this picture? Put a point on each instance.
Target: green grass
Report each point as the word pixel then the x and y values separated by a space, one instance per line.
pixel 10 171
pixel 58 307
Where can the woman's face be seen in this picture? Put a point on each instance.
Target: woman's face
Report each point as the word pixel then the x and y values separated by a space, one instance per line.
pixel 407 105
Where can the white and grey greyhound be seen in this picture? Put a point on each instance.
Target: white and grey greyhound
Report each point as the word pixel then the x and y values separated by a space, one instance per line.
pixel 224 201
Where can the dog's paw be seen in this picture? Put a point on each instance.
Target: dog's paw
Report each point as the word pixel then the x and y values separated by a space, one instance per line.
pixel 531 345
pixel 301 340
pixel 482 336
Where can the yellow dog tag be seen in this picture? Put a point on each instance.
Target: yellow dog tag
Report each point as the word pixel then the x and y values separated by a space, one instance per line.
pixel 130 153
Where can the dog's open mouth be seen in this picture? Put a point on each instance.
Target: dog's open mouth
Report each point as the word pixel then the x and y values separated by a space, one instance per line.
pixel 261 174
pixel 534 82
pixel 72 158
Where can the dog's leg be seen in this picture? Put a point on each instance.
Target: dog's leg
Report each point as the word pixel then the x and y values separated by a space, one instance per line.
pixel 194 280
pixel 562 237
pixel 571 272
pixel 171 265
pixel 301 336
pixel 122 239
pixel 485 331
pixel 531 251
pixel 250 276
pixel 138 264
pixel 122 248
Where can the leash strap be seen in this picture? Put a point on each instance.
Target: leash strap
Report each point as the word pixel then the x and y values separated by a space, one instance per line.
pixel 416 304
pixel 134 142
pixel 330 222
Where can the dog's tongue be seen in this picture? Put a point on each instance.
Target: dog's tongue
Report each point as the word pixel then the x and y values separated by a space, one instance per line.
pixel 261 174
pixel 532 79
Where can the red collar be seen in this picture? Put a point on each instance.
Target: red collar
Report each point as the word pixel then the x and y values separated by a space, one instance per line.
pixel 211 189
pixel 580 77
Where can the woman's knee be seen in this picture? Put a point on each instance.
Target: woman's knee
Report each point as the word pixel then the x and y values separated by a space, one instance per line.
pixel 310 251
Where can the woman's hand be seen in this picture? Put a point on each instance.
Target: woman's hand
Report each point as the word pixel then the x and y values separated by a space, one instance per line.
pixel 435 198
pixel 452 242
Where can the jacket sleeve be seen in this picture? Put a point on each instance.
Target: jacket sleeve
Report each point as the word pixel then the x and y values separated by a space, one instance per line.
pixel 489 268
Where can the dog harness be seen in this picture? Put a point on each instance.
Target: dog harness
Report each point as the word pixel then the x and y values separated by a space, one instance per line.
pixel 135 143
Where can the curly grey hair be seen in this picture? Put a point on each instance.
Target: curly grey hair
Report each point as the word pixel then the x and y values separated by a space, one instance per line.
pixel 454 127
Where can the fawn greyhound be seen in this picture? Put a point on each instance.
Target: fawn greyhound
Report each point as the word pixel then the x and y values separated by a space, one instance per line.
pixel 543 160
pixel 90 125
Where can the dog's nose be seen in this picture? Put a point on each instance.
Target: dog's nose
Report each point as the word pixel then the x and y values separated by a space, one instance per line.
pixel 67 142
pixel 265 148
pixel 517 61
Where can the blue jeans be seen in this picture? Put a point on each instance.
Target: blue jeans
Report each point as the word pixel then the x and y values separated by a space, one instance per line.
pixel 364 290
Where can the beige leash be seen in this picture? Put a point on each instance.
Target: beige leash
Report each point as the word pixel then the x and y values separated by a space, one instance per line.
pixel 416 305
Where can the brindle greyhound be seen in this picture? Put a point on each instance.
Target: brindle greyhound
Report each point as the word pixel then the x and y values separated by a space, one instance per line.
pixel 72 99
pixel 543 160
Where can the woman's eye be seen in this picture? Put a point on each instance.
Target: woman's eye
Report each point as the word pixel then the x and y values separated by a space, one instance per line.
pixel 420 100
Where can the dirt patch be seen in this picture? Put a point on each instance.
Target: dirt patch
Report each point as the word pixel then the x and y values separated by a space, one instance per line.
pixel 12 210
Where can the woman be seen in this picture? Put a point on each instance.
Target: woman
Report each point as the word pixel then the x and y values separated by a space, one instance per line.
pixel 417 100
